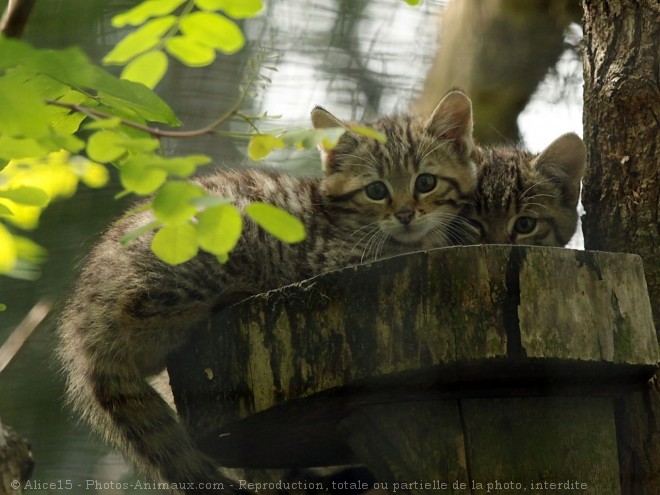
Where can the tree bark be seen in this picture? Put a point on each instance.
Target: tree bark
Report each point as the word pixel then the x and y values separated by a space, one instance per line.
pixel 621 188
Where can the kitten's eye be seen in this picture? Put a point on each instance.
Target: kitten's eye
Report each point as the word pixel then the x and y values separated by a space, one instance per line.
pixel 524 225
pixel 376 191
pixel 425 183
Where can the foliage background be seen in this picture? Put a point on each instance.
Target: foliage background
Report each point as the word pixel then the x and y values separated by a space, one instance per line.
pixel 358 58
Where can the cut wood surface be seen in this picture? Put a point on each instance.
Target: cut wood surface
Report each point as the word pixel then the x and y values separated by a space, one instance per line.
pixel 475 321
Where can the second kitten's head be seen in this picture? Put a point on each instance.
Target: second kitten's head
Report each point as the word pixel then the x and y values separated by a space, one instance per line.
pixel 411 187
pixel 522 198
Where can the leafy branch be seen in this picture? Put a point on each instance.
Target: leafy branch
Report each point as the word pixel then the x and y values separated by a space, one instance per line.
pixel 66 121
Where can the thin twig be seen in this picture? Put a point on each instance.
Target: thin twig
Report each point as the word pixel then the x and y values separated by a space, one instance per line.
pixel 15 17
pixel 23 331
pixel 154 131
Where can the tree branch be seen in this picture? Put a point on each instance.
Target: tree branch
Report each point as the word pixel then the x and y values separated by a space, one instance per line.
pixel 154 131
pixel 15 17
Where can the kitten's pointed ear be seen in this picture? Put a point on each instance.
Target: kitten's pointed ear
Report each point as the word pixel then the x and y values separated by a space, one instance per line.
pixel 322 119
pixel 565 160
pixel 452 120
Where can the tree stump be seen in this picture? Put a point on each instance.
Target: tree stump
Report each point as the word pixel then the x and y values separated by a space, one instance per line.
pixel 459 369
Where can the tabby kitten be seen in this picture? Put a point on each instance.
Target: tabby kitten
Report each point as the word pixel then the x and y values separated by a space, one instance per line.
pixel 129 310
pixel 523 198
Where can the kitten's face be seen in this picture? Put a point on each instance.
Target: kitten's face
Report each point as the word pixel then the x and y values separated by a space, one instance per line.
pixel 409 189
pixel 525 199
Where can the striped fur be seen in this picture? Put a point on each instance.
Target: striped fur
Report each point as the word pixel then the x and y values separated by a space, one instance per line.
pixel 522 198
pixel 129 310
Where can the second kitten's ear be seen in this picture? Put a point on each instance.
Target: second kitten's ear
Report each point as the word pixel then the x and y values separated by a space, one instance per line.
pixel 564 159
pixel 452 120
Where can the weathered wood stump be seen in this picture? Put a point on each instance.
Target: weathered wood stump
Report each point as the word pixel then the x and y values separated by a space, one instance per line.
pixel 459 366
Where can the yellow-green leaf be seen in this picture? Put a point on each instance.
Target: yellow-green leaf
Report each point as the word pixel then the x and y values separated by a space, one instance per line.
pixel 413 2
pixel 172 203
pixel 111 123
pixel 8 251
pixel 105 146
pixel 190 52
pixel 30 251
pixel 219 229
pixel 140 41
pixel 11 148
pixel 137 176
pixel 263 145
pixel 126 239
pixel 182 166
pixel 175 244
pixel 277 222
pixel 238 9
pixel 92 174
pixel 213 30
pixel 148 68
pixel 27 196
pixel 368 131
pixel 143 11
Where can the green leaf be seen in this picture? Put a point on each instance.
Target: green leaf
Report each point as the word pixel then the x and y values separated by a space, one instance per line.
pixel 172 203
pixel 30 251
pixel 140 41
pixel 213 30
pixel 14 52
pixel 182 166
pixel 263 145
pixel 147 69
pixel 137 176
pixel 413 2
pixel 11 148
pixel 209 201
pixel 219 229
pixel 69 66
pixel 8 251
pixel 368 131
pixel 3 307
pixel 126 239
pixel 310 138
pixel 67 141
pixel 147 9
pixel 238 9
pixel 5 212
pixel 105 146
pixel 22 112
pixel 190 52
pixel 175 244
pixel 63 120
pixel 26 195
pixel 134 96
pixel 112 123
pixel 277 222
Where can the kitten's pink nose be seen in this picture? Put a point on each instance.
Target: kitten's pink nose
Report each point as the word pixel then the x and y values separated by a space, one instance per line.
pixel 404 215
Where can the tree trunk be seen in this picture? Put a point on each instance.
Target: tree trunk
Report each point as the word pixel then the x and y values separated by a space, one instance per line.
pixel 621 188
pixel 498 51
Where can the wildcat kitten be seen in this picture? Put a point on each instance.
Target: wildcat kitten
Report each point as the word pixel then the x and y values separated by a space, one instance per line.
pixel 523 198
pixel 129 310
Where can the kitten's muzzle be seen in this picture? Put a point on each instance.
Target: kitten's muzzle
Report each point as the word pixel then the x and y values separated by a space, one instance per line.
pixel 404 215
